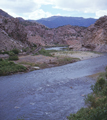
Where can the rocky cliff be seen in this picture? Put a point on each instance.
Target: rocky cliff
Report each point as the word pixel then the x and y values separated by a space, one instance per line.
pixel 56 36
pixel 26 32
pixel 19 33
pixel 4 14
pixel 95 37
pixel 12 34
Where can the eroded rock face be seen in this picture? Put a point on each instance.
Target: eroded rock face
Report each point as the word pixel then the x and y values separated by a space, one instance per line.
pixel 55 36
pixel 12 34
pixel 19 33
pixel 13 28
pixel 95 37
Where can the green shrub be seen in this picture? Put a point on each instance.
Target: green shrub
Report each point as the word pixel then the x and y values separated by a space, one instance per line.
pixel 7 67
pixel 106 74
pixel 0 52
pixel 11 53
pixel 15 51
pixel 5 52
pixel 96 101
pixel 44 52
pixel 1 59
pixel 25 49
pixel 15 57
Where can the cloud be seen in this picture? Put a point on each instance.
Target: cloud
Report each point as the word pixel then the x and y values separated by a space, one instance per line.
pixel 86 6
pixel 81 5
pixel 37 15
pixel 29 7
pixel 101 13
pixel 19 6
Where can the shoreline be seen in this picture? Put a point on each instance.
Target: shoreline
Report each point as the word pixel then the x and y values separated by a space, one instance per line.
pixel 37 62
pixel 58 58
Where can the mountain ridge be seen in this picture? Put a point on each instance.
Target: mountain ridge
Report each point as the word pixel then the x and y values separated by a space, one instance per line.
pixel 57 21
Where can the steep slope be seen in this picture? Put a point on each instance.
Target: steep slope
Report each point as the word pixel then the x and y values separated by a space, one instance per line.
pixel 27 32
pixel 56 21
pixel 56 36
pixel 12 34
pixel 3 13
pixel 95 37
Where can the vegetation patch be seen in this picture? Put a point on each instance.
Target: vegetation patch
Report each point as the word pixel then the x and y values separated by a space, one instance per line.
pixel 15 51
pixel 7 67
pixel 45 52
pixel 96 101
pixel 66 60
pixel 13 56
pixel 27 63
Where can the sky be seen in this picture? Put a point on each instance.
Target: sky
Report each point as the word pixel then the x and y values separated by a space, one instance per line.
pixel 37 9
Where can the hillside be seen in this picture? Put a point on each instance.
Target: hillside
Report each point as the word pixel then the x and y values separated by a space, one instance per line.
pixel 3 13
pixel 20 33
pixel 52 37
pixel 56 21
pixel 12 34
pixel 95 37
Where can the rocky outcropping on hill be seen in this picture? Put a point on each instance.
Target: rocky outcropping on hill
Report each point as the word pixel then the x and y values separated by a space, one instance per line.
pixel 56 36
pixel 4 14
pixel 12 34
pixel 19 33
pixel 95 37
pixel 28 32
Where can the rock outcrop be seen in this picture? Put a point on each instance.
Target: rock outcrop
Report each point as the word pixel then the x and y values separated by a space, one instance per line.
pixel 95 37
pixel 12 34
pixel 4 14
pixel 19 33
pixel 56 36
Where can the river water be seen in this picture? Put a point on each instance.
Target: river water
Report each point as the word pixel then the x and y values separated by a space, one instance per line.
pixel 48 94
pixel 56 48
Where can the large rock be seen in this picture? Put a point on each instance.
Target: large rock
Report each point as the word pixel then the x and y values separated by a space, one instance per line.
pixel 95 37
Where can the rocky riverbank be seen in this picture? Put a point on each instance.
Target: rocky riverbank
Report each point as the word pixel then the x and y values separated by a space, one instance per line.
pixel 59 58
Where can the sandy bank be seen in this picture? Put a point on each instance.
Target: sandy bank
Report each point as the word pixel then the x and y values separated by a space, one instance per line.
pixel 59 58
pixel 78 54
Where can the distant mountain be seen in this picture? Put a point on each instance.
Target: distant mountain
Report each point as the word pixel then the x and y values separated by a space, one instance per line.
pixel 56 21
pixel 3 13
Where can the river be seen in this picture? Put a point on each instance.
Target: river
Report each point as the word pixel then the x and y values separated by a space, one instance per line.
pixel 48 94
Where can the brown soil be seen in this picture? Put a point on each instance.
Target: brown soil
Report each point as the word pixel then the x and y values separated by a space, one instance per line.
pixel 60 58
pixel 35 59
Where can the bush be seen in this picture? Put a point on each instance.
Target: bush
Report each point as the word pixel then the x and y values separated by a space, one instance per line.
pixel 7 67
pixel 96 101
pixel 15 51
pixel 1 59
pixel 5 52
pixel 15 57
pixel 44 52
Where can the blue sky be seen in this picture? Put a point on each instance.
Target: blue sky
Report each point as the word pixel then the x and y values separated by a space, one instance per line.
pixel 37 9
